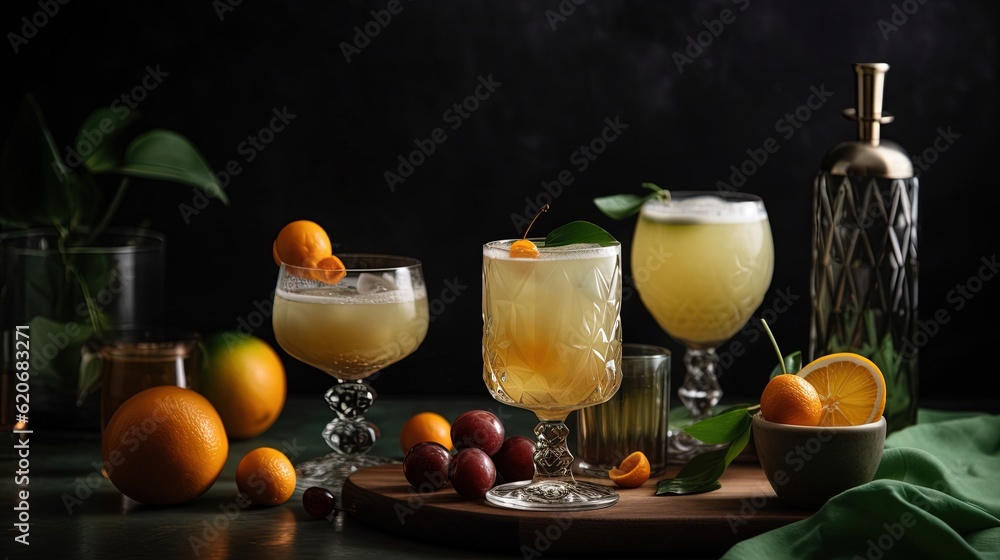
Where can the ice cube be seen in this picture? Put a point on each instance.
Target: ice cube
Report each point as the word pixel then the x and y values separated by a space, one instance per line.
pixel 369 283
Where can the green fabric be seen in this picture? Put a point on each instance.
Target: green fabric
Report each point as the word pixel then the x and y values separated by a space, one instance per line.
pixel 936 495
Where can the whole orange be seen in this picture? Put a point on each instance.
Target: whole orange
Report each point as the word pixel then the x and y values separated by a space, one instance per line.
pixel 425 426
pixel 790 399
pixel 244 379
pixel 301 243
pixel 164 446
pixel 266 476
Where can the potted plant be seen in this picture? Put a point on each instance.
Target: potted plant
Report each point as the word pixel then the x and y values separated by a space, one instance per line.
pixel 65 274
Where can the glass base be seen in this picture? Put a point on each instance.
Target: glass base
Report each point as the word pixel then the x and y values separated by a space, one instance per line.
pixel 331 470
pixel 583 468
pixel 682 447
pixel 552 495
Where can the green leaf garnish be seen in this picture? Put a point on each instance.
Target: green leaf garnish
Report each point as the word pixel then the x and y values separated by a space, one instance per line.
pixel 702 473
pixel 579 232
pixel 621 206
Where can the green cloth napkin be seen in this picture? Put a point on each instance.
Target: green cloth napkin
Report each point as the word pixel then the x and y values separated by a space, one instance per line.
pixel 936 494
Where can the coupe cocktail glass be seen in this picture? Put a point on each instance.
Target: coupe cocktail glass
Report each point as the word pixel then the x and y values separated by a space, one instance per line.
pixel 551 345
pixel 702 263
pixel 374 316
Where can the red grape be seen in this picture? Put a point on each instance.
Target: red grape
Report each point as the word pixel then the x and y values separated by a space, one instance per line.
pixel 479 429
pixel 515 460
pixel 472 473
pixel 425 466
pixel 319 502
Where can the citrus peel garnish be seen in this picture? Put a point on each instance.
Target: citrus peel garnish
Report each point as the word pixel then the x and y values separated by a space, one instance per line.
pixel 633 472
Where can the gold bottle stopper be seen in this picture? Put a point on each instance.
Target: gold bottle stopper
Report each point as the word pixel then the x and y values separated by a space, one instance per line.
pixel 869 155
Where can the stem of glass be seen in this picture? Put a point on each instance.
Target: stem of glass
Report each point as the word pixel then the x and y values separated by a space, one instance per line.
pixel 349 433
pixel 700 391
pixel 553 461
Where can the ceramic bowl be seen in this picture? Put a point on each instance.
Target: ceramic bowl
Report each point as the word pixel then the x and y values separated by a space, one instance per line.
pixel 808 465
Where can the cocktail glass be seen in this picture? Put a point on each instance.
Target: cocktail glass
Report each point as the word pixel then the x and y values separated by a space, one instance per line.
pixel 551 345
pixel 702 263
pixel 374 316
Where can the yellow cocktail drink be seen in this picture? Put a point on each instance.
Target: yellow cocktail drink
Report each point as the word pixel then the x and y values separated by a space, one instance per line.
pixel 702 266
pixel 552 335
pixel 350 334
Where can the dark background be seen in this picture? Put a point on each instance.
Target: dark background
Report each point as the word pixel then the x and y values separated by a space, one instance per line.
pixel 686 127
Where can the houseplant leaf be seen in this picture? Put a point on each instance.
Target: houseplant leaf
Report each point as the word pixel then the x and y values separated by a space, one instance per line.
pixel 106 132
pixel 35 186
pixel 167 156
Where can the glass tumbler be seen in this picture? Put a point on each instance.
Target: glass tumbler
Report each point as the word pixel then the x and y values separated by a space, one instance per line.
pixel 132 360
pixel 635 419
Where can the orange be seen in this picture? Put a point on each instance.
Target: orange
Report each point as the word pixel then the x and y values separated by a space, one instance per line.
pixel 266 476
pixel 850 387
pixel 790 399
pixel 523 249
pixel 426 426
pixel 244 379
pixel 633 472
pixel 305 244
pixel 164 446
pixel 301 243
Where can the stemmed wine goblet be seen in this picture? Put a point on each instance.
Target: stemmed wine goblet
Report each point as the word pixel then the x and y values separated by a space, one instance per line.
pixel 350 324
pixel 551 345
pixel 702 263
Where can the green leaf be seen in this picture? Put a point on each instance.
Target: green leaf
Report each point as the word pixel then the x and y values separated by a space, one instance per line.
pixel 168 156
pixel 793 363
pixel 579 232
pixel 621 206
pixel 702 473
pixel 723 428
pixel 35 186
pixel 112 128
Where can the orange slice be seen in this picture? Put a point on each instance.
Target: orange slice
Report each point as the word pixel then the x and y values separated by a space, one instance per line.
pixel 850 387
pixel 632 473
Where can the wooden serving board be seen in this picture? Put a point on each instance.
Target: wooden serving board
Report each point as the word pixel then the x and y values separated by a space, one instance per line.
pixel 639 524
